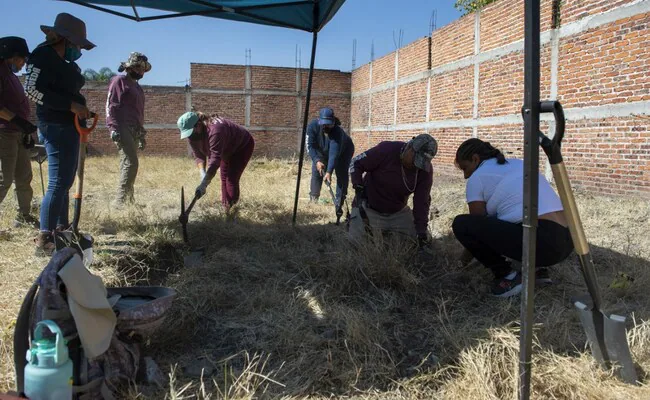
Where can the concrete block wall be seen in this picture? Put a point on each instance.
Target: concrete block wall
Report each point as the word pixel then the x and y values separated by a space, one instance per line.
pixel 466 80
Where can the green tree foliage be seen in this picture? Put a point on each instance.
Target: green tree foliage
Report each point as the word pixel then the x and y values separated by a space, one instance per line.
pixel 104 75
pixel 469 6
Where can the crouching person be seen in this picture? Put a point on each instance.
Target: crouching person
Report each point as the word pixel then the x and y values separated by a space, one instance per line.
pixel 384 177
pixel 218 143
pixel 493 228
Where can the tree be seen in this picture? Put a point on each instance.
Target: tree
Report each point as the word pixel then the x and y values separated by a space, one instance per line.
pixel 469 6
pixel 104 75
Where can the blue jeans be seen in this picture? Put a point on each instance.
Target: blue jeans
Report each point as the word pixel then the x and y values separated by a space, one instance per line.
pixel 342 177
pixel 62 146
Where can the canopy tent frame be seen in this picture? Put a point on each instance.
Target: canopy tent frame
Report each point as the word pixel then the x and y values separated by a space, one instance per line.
pixel 214 10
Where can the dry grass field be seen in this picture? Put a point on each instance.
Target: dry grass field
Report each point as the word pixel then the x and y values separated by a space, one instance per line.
pixel 282 312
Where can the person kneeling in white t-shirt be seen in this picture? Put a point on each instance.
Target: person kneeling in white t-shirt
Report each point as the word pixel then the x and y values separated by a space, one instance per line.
pixel 493 228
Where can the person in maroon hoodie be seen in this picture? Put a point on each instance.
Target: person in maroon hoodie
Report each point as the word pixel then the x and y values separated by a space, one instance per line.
pixel 384 177
pixel 15 129
pixel 125 120
pixel 218 143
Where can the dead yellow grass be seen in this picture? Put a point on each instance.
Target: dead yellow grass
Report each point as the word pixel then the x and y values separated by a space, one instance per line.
pixel 278 312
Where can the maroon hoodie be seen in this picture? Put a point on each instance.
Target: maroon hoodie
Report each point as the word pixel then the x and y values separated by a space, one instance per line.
pixel 224 139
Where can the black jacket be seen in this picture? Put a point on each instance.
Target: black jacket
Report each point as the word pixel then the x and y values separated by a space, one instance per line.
pixel 53 84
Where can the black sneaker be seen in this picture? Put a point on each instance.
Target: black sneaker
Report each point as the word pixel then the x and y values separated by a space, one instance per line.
pixel 26 220
pixel 508 286
pixel 542 277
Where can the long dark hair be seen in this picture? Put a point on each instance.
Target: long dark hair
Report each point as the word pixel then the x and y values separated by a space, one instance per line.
pixel 484 150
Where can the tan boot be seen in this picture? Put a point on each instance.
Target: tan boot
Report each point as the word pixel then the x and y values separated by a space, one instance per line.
pixel 45 245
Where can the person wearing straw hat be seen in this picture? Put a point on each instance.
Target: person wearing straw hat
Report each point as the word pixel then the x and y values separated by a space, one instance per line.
pixel 383 178
pixel 54 83
pixel 218 143
pixel 15 130
pixel 125 120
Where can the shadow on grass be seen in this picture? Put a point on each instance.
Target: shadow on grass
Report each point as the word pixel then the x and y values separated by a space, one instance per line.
pixel 332 320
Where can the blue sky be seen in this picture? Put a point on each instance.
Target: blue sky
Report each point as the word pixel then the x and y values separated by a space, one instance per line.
pixel 172 44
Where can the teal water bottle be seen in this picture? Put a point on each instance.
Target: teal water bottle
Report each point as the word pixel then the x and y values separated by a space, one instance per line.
pixel 48 373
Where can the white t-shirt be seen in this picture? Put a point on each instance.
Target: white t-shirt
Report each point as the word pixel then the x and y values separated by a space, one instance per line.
pixel 501 187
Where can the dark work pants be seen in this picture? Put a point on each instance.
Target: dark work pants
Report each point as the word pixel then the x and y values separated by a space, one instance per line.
pixel 490 240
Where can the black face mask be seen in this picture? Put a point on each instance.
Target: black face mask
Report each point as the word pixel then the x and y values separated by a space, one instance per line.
pixel 135 76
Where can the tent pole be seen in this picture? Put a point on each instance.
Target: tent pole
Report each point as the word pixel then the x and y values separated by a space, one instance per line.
pixel 304 126
pixel 531 110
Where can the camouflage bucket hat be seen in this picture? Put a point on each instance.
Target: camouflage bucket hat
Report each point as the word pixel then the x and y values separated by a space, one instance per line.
pixel 136 60
pixel 425 147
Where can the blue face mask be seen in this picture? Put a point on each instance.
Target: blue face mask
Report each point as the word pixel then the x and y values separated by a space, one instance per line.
pixel 14 68
pixel 72 53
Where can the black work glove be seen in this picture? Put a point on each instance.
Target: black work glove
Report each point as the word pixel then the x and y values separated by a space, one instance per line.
pixel 28 141
pixel 24 125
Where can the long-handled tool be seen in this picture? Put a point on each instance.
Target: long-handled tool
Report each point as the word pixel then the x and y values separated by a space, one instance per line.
pixel 84 136
pixel 185 213
pixel 338 210
pixel 605 332
pixel 41 156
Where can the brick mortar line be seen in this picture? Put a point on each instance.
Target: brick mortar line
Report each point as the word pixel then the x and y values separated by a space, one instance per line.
pixel 573 28
pixel 619 110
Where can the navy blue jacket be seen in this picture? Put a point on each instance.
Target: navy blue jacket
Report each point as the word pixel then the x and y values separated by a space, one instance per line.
pixel 327 148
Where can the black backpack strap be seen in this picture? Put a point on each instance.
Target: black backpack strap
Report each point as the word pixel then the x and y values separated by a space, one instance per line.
pixel 21 337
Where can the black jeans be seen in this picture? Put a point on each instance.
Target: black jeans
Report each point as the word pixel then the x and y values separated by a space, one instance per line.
pixel 490 240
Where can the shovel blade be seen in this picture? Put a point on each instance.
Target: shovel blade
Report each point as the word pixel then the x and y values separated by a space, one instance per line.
pixel 608 340
pixel 618 349
pixel 593 324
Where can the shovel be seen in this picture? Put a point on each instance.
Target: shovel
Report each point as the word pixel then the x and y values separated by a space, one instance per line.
pixel 339 212
pixel 185 213
pixel 41 156
pixel 84 136
pixel 605 332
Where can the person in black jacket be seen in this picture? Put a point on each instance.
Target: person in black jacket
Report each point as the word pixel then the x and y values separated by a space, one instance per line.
pixel 54 83
pixel 331 150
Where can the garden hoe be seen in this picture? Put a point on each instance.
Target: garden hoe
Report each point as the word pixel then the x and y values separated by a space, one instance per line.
pixel 185 213
pixel 83 242
pixel 605 332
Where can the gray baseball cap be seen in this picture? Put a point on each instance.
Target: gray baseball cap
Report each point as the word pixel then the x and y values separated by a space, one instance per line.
pixel 425 147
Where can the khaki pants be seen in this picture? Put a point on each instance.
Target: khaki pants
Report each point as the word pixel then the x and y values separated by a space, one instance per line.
pixel 128 163
pixel 15 166
pixel 399 222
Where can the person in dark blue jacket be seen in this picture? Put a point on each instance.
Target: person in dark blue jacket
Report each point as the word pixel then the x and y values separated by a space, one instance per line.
pixel 331 150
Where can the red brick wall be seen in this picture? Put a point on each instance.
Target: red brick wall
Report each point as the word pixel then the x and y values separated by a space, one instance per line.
pixel 412 102
pixel 217 76
pixel 273 78
pixel 414 58
pixel 383 107
pixel 573 10
pixel 361 78
pixel 383 70
pixel 605 65
pixel 450 97
pixel 231 106
pixel 453 42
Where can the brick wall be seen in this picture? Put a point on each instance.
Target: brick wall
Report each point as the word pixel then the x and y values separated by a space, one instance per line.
pixel 271 114
pixel 595 62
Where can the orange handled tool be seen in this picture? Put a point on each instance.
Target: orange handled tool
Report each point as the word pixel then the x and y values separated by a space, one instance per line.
pixel 84 136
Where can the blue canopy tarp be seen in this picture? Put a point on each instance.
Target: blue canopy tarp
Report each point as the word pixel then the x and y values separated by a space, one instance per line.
pixel 306 15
